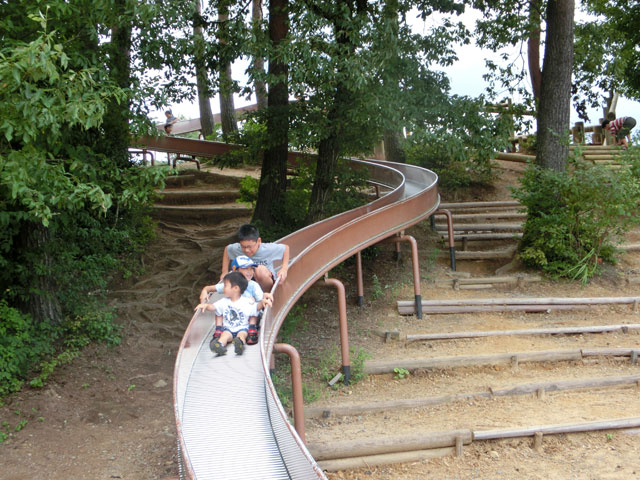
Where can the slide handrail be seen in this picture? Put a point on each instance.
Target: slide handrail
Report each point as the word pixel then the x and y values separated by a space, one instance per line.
pixel 229 419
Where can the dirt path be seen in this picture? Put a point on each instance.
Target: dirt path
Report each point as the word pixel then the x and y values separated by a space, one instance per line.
pixel 109 413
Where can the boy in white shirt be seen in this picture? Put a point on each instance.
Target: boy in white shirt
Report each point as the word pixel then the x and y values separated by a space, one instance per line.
pixel 244 265
pixel 235 314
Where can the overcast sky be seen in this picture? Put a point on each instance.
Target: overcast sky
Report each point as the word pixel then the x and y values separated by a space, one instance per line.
pixel 465 77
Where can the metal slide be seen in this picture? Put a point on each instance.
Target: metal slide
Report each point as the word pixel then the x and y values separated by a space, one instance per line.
pixel 230 422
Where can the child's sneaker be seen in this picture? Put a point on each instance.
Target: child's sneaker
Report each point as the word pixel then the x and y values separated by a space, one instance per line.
pixel 217 347
pixel 238 345
pixel 252 338
pixel 217 333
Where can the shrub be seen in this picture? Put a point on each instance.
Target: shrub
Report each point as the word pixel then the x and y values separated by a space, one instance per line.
pixel 575 217
pixel 22 345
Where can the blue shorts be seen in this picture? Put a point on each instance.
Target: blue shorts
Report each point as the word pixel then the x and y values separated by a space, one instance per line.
pixel 234 334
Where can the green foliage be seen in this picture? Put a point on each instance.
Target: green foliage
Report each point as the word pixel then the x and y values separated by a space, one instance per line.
pixel 22 344
pixel 294 324
pixel 576 217
pixel 400 373
pixel 358 358
pixel 249 190
pixel 376 287
pixel 460 144
pixel 348 193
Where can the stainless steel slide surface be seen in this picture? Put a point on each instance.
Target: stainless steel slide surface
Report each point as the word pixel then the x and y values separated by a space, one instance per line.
pixel 230 422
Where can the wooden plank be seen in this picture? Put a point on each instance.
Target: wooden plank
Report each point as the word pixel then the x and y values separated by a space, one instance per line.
pixel 482 236
pixel 529 301
pixel 340 464
pixel 481 280
pixel 631 422
pixel 446 309
pixel 515 157
pixel 498 204
pixel 485 255
pixel 476 216
pixel 389 444
pixel 342 410
pixel 374 368
pixel 531 331
pixel 462 227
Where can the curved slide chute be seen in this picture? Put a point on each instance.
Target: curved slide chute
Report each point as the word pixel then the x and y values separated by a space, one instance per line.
pixel 229 420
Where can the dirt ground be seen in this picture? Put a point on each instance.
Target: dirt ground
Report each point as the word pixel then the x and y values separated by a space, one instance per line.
pixel 109 413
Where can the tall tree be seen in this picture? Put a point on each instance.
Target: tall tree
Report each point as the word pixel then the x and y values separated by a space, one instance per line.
pixel 555 95
pixel 273 178
pixel 227 108
pixel 258 60
pixel 345 20
pixel 204 102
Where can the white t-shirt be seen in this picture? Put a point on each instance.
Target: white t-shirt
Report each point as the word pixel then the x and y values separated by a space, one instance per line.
pixel 235 315
pixel 266 254
pixel 253 290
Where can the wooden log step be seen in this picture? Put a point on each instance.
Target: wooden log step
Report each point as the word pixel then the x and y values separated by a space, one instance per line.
pixel 474 227
pixel 465 205
pixel 470 305
pixel 480 237
pixel 631 422
pixel 478 216
pixel 485 255
pixel 522 389
pixel 530 301
pixel 529 331
pixel 377 368
pixel 488 280
pixel 631 247
pixel 340 464
pixel 446 309
pixel 389 444
pixel 515 157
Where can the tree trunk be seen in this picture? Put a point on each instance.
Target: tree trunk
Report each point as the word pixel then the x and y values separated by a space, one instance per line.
pixel 41 303
pixel 392 135
pixel 533 48
pixel 227 108
pixel 116 121
pixel 273 177
pixel 554 110
pixel 328 151
pixel 206 115
pixel 393 150
pixel 258 61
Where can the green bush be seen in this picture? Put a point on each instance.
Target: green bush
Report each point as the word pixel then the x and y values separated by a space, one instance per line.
pixel 576 217
pixel 459 142
pixel 22 345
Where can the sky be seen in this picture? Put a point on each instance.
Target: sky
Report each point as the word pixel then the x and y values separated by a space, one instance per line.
pixel 465 77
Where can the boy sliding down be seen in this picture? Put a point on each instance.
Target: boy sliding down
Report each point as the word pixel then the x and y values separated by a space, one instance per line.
pixel 262 254
pixel 235 315
pixel 244 265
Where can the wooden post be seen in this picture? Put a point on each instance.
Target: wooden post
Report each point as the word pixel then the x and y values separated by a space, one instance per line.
pixel 537 441
pixel 459 443
pixel 578 133
pixel 541 393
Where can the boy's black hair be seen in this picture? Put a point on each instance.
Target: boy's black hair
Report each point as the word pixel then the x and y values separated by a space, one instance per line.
pixel 236 279
pixel 248 232
pixel 605 122
pixel 169 112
